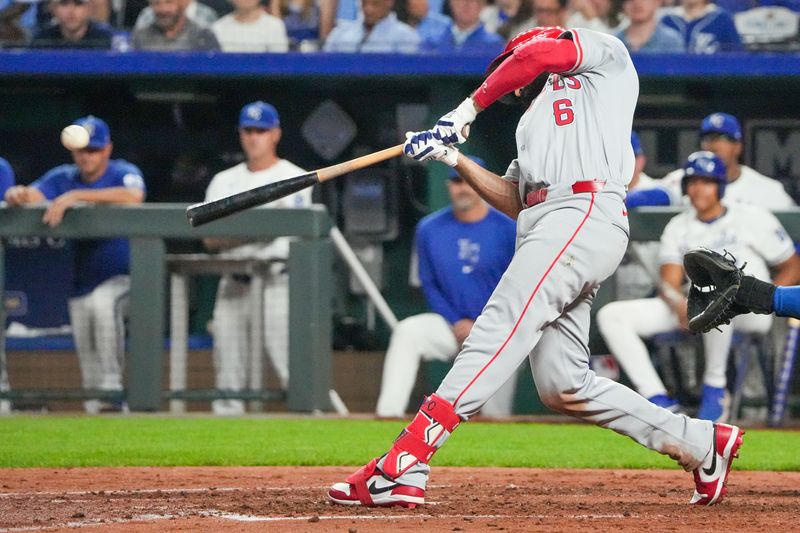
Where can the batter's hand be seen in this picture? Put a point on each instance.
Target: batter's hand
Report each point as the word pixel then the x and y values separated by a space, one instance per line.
pixel 423 146
pixel 453 127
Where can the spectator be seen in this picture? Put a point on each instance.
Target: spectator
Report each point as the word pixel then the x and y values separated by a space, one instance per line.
pixel 508 18
pixel 250 29
pixel 6 177
pixel 644 33
pixel 99 299
pixel 598 15
pixel 198 12
pixel 705 27
pixel 430 26
pixel 377 29
pixel 73 28
pixel 463 251
pixel 467 33
pixel 308 22
pixel 753 235
pixel 721 133
pixel 172 30
pixel 550 12
pixel 17 19
pixel 259 134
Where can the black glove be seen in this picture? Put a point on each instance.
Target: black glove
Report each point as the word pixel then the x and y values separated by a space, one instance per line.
pixel 715 281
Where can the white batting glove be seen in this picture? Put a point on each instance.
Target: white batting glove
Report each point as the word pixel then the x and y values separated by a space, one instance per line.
pixel 423 146
pixel 453 127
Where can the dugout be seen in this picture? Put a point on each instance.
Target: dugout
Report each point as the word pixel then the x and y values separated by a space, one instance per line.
pixel 174 115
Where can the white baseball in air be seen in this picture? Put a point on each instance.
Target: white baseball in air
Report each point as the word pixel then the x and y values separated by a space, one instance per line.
pixel 75 137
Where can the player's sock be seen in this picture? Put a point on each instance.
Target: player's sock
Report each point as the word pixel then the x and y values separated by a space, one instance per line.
pixel 418 442
pixel 786 301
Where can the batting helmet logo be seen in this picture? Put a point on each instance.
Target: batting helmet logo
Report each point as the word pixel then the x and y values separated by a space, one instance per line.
pixel 705 164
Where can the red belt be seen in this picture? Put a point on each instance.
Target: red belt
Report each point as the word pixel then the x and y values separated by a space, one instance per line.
pixel 537 197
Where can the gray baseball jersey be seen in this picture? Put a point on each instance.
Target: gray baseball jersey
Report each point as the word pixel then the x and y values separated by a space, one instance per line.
pixel 579 126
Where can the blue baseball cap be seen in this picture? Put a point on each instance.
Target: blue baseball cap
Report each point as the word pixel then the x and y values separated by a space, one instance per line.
pixel 722 123
pixel 452 175
pixel 99 133
pixel 636 144
pixel 259 115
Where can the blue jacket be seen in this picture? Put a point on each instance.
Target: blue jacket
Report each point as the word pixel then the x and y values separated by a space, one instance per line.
pixel 479 41
pixel 713 32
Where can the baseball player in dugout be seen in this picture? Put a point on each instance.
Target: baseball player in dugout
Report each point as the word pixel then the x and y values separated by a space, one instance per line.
pixel 462 251
pixel 751 234
pixel 259 135
pixel 721 133
pixel 99 300
pixel 566 188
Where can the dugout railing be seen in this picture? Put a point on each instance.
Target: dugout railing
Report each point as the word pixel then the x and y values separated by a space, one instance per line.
pixel 310 263
pixel 148 227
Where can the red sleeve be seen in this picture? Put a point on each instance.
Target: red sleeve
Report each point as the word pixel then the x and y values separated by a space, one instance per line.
pixel 524 65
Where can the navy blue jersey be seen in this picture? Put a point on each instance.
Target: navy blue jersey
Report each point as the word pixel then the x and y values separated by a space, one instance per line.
pixel 461 263
pixel 6 177
pixel 95 260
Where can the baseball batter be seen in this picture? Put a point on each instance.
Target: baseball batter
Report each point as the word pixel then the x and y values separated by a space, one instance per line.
pixel 751 234
pixel 259 134
pixel 566 190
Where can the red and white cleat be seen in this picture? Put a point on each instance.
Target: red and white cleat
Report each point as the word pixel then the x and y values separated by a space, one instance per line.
pixel 369 487
pixel 711 477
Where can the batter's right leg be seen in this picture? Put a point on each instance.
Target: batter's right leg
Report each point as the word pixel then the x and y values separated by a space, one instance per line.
pixel 81 320
pixel 622 326
pixel 427 336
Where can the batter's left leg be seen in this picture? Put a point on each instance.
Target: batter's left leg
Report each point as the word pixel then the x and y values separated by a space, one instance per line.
pixel 560 366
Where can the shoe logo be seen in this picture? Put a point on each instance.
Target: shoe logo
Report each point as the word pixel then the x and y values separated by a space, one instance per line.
pixel 373 489
pixel 713 468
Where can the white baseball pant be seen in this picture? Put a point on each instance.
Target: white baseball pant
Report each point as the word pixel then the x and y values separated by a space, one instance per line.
pixel 425 337
pixel 624 324
pixel 233 319
pixel 98 327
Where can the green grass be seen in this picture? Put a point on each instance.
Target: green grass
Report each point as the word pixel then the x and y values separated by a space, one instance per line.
pixel 35 441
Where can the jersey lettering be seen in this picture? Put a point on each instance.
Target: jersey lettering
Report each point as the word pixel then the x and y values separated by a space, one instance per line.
pixel 562 112
pixel 559 81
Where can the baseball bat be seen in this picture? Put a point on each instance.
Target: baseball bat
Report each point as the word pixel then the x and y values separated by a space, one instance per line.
pixel 199 214
pixel 784 379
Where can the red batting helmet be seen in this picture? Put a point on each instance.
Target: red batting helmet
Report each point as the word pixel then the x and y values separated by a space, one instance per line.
pixel 540 32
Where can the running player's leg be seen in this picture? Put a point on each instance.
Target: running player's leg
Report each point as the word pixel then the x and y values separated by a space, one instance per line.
pixel 560 365
pixel 420 337
pixel 623 325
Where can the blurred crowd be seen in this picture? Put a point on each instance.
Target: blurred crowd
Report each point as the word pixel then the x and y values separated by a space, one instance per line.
pixel 395 26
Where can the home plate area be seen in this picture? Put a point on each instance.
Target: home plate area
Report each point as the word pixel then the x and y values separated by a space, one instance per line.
pixel 458 499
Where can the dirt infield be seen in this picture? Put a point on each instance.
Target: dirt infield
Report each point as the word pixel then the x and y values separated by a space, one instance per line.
pixel 460 499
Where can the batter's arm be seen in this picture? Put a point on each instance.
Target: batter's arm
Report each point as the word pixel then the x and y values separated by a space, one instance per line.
pixel 501 194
